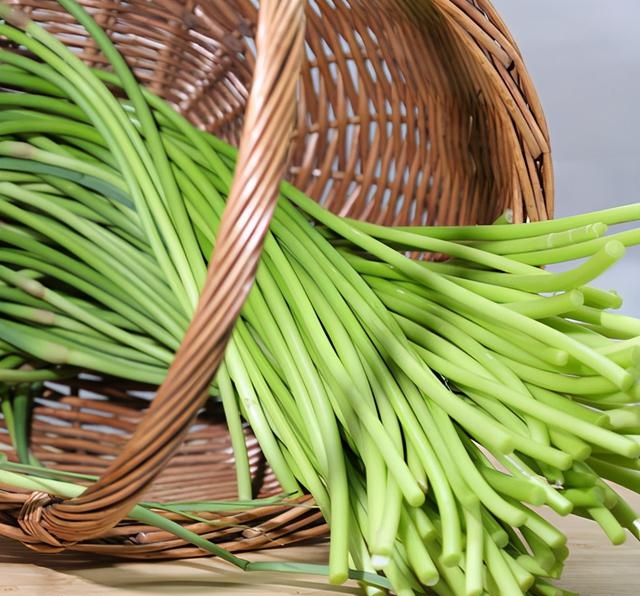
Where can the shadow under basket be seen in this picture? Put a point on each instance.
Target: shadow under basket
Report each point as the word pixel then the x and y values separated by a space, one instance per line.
pixel 405 113
pixel 81 427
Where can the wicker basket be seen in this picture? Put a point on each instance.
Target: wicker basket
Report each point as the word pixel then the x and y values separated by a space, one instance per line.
pixel 398 111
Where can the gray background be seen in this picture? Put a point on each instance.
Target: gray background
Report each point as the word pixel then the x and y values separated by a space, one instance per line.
pixel 584 59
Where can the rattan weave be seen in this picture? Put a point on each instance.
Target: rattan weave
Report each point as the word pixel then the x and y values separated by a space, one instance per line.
pixel 397 111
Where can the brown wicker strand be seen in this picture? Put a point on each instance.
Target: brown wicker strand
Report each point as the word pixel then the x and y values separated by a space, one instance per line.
pixel 269 119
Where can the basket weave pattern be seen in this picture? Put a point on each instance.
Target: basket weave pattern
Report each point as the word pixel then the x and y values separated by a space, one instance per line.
pixel 75 432
pixel 408 111
pixel 397 111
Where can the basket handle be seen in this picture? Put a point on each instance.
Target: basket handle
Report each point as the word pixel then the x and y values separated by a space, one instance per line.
pixel 269 120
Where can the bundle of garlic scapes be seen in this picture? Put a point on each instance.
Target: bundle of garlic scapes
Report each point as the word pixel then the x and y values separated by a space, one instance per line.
pixel 430 407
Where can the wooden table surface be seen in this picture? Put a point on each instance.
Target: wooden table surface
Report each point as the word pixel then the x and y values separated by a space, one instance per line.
pixel 595 568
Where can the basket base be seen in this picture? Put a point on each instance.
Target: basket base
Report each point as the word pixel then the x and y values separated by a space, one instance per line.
pixel 82 426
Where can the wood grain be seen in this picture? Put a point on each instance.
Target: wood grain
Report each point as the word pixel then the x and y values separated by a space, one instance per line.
pixel 595 569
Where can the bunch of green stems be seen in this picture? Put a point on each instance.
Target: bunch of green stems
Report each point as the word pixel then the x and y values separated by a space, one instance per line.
pixel 429 406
